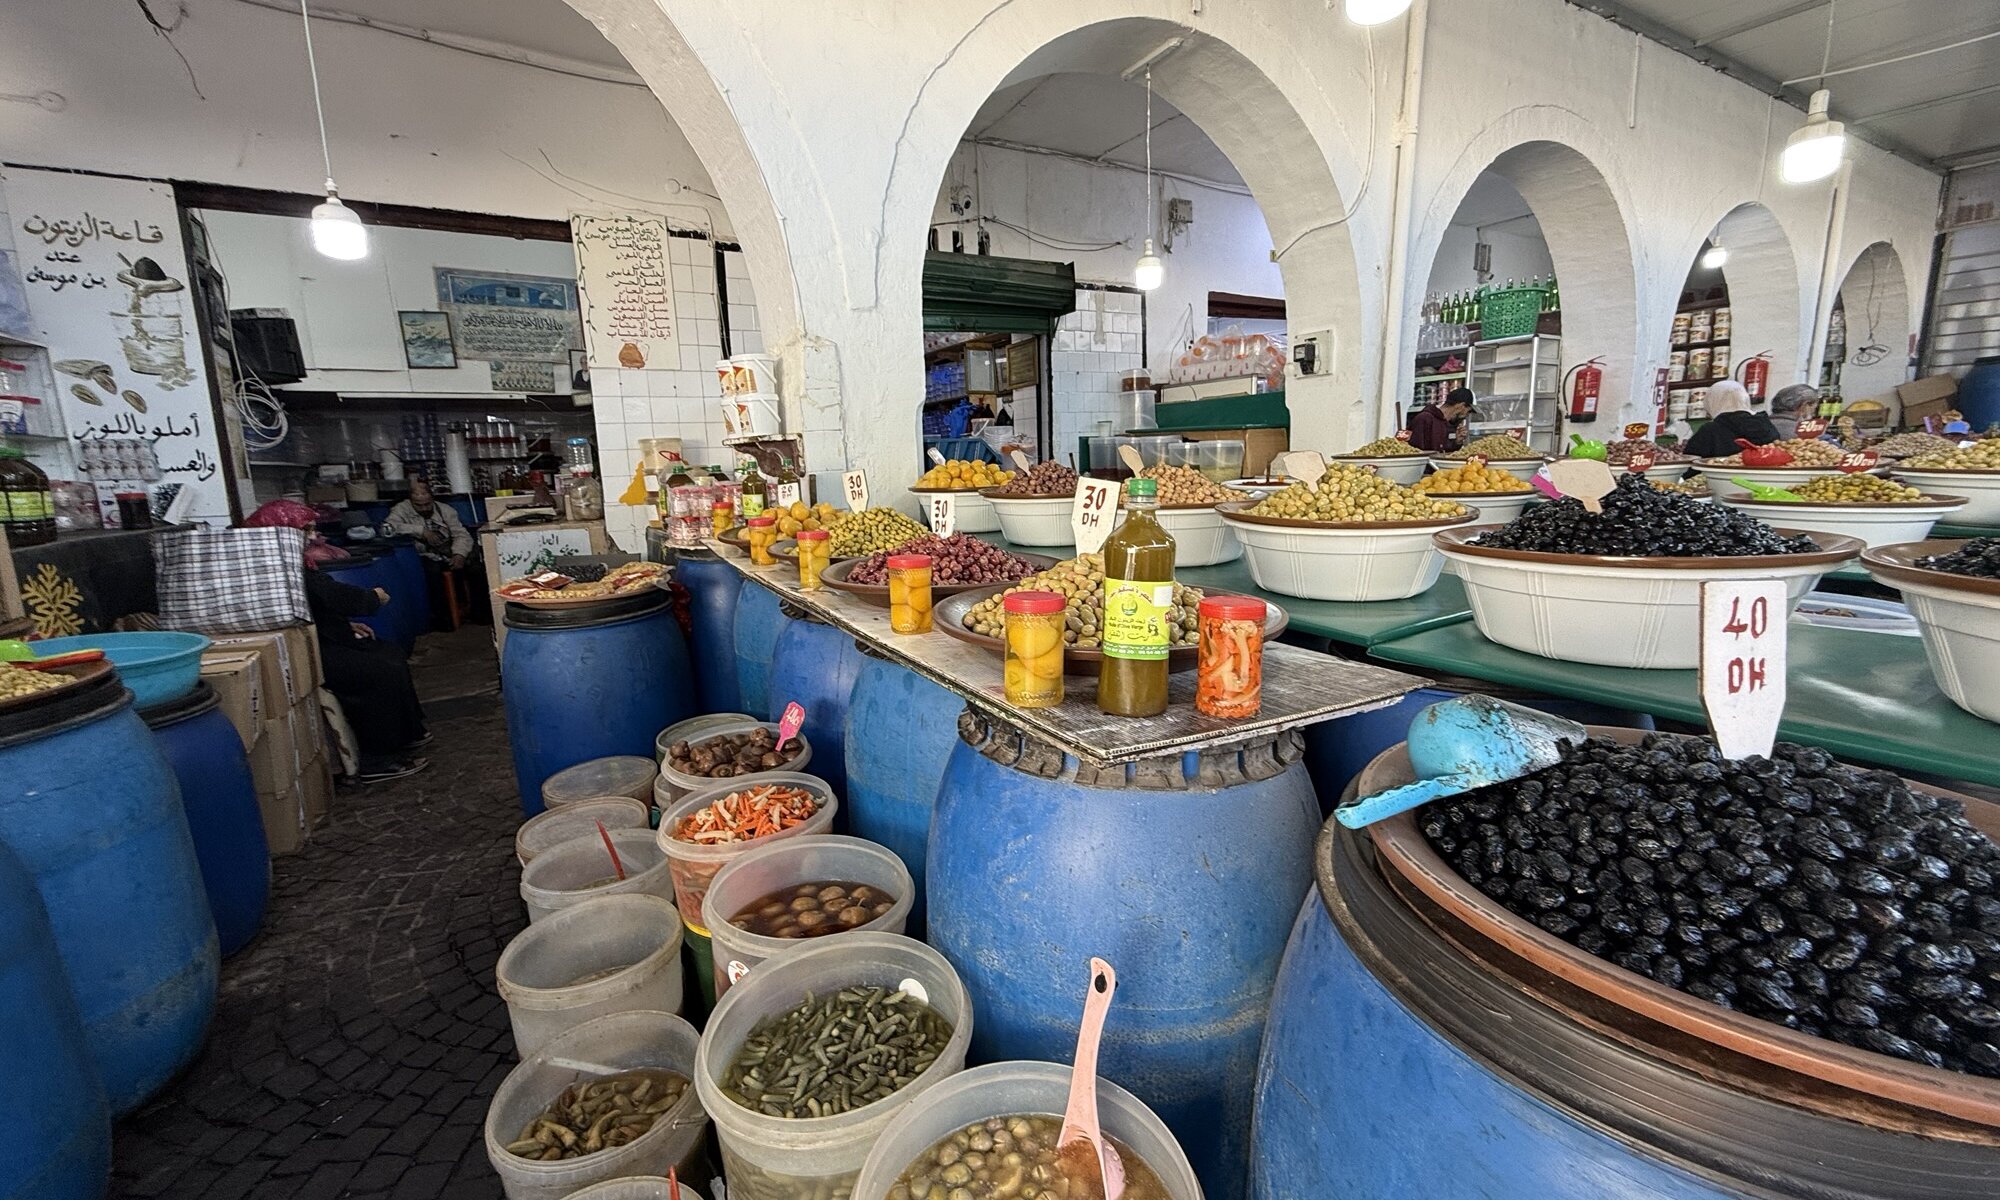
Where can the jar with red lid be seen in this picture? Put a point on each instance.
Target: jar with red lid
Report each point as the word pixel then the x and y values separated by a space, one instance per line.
pixel 909 592
pixel 1034 628
pixel 1230 679
pixel 762 534
pixel 815 553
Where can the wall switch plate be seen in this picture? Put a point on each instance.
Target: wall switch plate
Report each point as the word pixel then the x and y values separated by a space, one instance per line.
pixel 1312 354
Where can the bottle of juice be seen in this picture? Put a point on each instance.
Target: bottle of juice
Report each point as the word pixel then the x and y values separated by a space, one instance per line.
pixel 755 495
pixel 1138 599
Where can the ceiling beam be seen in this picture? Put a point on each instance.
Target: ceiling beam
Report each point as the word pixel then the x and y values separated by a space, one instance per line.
pixel 1755 23
pixel 1920 105
pixel 1972 158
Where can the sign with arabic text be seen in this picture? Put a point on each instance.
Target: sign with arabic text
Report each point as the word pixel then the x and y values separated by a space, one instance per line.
pixel 496 315
pixel 626 289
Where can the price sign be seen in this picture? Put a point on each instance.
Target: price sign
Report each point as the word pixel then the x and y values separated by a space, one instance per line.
pixel 1641 460
pixel 1636 430
pixel 1518 431
pixel 943 513
pixel 1131 459
pixel 1092 514
pixel 1811 427
pixel 854 484
pixel 789 724
pixel 1743 663
pixel 1585 478
pixel 789 493
pixel 1855 464
pixel 935 456
pixel 1020 460
pixel 1476 460
pixel 1402 435
pixel 1308 465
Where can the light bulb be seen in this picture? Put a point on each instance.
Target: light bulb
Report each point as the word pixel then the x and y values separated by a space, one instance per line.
pixel 1374 12
pixel 1149 272
pixel 1814 149
pixel 337 232
pixel 1713 258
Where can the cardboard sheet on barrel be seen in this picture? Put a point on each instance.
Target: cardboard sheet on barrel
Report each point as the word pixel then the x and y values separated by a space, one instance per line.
pixel 1799 1068
pixel 1301 687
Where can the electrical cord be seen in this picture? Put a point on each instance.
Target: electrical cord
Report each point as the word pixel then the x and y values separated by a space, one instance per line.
pixel 265 423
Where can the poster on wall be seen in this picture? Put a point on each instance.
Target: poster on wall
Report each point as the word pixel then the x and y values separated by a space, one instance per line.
pixel 524 552
pixel 626 290
pixel 104 271
pixel 496 315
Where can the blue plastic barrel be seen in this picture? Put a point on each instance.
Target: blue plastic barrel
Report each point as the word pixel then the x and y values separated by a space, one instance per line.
pixel 220 799
pixel 712 587
pixel 53 1104
pixel 412 599
pixel 814 665
pixel 90 805
pixel 1979 394
pixel 1399 1063
pixel 757 624
pixel 369 569
pixel 901 728
pixel 1184 875
pixel 590 682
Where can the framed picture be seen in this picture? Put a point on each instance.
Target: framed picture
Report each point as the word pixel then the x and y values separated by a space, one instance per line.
pixel 426 340
pixel 579 371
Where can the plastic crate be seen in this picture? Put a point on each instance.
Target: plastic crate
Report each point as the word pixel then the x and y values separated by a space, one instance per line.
pixel 1510 312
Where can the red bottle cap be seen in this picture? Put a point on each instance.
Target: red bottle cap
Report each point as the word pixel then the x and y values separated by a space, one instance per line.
pixel 1037 603
pixel 811 535
pixel 908 562
pixel 762 522
pixel 1233 608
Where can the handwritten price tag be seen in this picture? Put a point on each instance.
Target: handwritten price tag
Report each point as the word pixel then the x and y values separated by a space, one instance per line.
pixel 1519 431
pixel 1641 460
pixel 1856 463
pixel 1636 430
pixel 935 456
pixel 854 484
pixel 1476 460
pixel 943 514
pixel 1402 435
pixel 1743 663
pixel 1092 514
pixel 793 720
pixel 1811 427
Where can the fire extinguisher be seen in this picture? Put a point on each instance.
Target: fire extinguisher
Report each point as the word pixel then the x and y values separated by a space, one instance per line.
pixel 1586 380
pixel 1754 372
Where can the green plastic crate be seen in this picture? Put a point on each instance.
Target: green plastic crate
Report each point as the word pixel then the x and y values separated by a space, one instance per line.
pixel 1511 312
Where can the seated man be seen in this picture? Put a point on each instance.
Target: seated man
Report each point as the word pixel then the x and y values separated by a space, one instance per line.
pixel 441 537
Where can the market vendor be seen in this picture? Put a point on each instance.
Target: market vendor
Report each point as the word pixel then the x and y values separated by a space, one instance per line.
pixel 1435 427
pixel 442 539
pixel 1730 418
pixel 1791 403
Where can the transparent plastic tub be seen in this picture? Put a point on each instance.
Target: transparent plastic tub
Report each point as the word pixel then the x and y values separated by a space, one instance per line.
pixel 672 785
pixel 545 973
pixel 1221 460
pixel 642 1187
pixel 1006 1089
pixel 621 775
pixel 694 866
pixel 693 730
pixel 607 1046
pixel 560 876
pixel 773 866
pixel 818 1158
pixel 555 826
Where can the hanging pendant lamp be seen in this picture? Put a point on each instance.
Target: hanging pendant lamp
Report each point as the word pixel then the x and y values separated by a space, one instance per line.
pixel 337 231
pixel 1149 272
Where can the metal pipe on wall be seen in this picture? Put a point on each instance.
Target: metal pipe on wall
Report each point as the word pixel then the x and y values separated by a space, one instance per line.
pixel 1829 273
pixel 1401 209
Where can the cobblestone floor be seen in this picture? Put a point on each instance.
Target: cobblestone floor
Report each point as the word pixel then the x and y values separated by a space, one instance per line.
pixel 358 1039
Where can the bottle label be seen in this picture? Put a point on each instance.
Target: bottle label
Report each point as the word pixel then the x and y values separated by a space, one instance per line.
pixel 1135 618
pixel 753 505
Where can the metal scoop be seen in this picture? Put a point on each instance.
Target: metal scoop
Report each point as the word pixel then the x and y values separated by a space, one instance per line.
pixel 1081 1140
pixel 1465 743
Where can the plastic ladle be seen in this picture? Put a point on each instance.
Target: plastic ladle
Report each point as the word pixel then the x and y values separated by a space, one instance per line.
pixel 1765 491
pixel 1080 1133
pixel 21 654
pixel 1464 743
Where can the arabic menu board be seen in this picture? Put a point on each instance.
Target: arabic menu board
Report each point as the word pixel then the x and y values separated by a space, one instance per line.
pixel 505 318
pixel 627 290
pixel 106 280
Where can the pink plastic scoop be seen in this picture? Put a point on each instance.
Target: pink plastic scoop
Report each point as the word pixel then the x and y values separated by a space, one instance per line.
pixel 1080 1134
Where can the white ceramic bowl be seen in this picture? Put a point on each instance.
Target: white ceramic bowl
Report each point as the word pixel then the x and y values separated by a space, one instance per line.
pixel 1201 539
pixel 1874 524
pixel 1666 471
pixel 1981 490
pixel 973 512
pixel 1492 507
pixel 1327 560
pixel 1523 469
pixel 1959 617
pixel 1034 521
pixel 1719 475
pixel 1396 468
pixel 1267 486
pixel 1614 612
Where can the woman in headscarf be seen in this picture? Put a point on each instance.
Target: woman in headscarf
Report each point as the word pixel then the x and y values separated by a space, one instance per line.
pixel 1730 418
pixel 371 678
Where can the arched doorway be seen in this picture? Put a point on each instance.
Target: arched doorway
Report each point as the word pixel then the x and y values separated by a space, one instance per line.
pixel 1868 340
pixel 1739 303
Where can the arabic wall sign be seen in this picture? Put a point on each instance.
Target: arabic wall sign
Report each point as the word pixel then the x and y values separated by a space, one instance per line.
pixel 626 290
pixel 105 274
pixel 495 315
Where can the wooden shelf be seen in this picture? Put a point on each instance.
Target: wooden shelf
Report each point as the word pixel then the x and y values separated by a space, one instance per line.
pixel 1683 384
pixel 1700 345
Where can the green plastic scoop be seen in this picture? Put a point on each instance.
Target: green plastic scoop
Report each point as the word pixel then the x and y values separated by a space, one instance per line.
pixel 13 650
pixel 1764 491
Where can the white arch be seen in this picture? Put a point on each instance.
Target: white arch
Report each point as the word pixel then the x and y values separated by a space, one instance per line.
pixel 1877 304
pixel 1770 297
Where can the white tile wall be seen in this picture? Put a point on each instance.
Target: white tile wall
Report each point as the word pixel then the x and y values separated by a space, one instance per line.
pixel 1095 346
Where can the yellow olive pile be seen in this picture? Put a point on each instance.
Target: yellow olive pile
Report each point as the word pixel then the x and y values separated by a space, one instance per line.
pixel 1698 486
pixel 959 473
pixel 1472 477
pixel 1080 581
pixel 800 515
pixel 1347 493
pixel 1984 456
pixel 1856 489
pixel 871 530
pixel 1185 485
pixel 1497 445
pixel 1387 447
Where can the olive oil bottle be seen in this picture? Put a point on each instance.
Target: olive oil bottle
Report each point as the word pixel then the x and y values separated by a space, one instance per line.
pixel 1138 599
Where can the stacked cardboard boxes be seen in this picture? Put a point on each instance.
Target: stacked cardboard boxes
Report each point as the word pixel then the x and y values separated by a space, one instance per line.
pixel 269 685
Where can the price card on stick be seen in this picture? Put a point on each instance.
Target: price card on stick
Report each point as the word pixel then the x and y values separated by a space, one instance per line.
pixel 1131 459
pixel 1308 465
pixel 1092 514
pixel 943 513
pixel 1859 462
pixel 1585 478
pixel 935 456
pixel 1021 462
pixel 1743 663
pixel 854 485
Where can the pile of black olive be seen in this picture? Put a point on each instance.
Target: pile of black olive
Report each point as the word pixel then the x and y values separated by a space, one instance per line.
pixel 1641 520
pixel 1979 557
pixel 1827 899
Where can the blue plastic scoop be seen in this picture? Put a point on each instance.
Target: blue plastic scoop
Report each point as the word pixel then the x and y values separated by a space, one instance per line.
pixel 1465 743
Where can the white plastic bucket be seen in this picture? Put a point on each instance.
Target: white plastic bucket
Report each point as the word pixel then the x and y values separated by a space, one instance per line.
pixel 555 826
pixel 775 1158
pixel 750 415
pixel 607 1046
pixel 693 867
pixel 639 936
pixel 672 785
pixel 642 1187
pixel 556 879
pixel 748 374
pixel 1008 1088
pixel 620 775
pixel 776 865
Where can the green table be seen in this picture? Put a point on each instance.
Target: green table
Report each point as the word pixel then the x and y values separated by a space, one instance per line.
pixel 1947 530
pixel 1868 697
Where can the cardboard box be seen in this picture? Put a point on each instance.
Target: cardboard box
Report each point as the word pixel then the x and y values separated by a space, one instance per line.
pixel 237 676
pixel 309 730
pixel 1931 396
pixel 316 793
pixel 291 660
pixel 284 818
pixel 275 761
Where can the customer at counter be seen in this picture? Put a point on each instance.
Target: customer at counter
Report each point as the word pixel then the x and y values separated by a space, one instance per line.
pixel 1730 418
pixel 1791 403
pixel 1435 427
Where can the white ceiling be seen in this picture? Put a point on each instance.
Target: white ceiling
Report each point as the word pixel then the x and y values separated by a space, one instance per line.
pixel 1943 108
pixel 544 26
pixel 1099 117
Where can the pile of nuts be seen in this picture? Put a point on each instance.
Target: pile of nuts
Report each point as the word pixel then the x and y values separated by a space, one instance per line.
pixel 733 754
pixel 960 558
pixel 1856 489
pixel 1472 477
pixel 1910 445
pixel 1620 452
pixel 1388 447
pixel 1347 493
pixel 1805 452
pixel 1981 456
pixel 870 530
pixel 1183 486
pixel 1043 479
pixel 1497 445
pixel 1080 581
pixel 961 474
